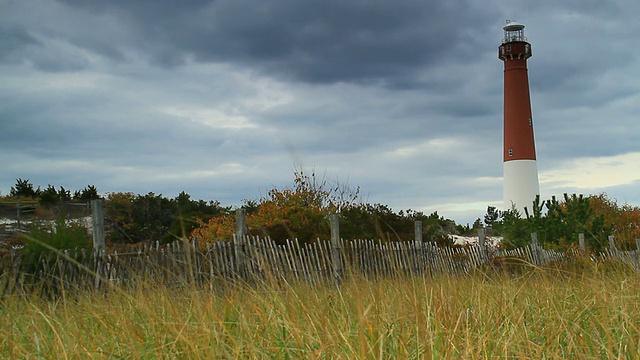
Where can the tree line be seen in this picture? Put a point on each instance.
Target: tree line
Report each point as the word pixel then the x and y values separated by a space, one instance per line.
pixel 24 189
pixel 301 210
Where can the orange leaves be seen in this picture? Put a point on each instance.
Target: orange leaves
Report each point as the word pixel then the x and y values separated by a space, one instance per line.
pixel 216 229
pixel 298 212
pixel 624 219
pixel 119 208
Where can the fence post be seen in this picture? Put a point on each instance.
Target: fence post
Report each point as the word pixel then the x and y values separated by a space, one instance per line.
pixel 581 242
pixel 534 245
pixel 97 221
pixel 239 239
pixel 18 211
pixel 612 243
pixel 241 223
pixel 418 232
pixel 336 259
pixel 482 243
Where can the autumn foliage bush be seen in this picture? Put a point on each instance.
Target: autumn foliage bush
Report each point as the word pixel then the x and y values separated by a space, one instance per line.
pixel 299 212
pixel 623 220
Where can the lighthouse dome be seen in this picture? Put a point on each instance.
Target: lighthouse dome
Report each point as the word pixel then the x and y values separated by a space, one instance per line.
pixel 513 26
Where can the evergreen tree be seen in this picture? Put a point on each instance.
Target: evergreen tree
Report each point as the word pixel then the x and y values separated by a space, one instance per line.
pixel 89 193
pixel 24 188
pixel 491 216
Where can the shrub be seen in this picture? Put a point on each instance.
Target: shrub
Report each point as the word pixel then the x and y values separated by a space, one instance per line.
pixel 59 235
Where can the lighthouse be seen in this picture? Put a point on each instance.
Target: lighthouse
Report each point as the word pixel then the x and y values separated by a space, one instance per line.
pixel 520 168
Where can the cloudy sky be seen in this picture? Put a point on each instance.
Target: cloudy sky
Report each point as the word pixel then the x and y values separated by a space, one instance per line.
pixel 223 99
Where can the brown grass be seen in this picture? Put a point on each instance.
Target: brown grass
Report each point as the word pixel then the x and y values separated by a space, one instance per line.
pixel 537 314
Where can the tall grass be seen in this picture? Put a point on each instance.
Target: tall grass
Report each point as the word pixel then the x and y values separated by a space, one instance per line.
pixel 537 315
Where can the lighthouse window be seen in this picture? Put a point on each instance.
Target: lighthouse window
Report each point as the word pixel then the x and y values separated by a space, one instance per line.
pixel 510 152
pixel 530 122
pixel 508 47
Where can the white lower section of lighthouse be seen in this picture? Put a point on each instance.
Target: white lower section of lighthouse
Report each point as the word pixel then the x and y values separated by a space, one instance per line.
pixel 520 184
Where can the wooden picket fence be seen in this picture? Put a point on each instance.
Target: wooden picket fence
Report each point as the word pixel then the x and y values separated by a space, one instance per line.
pixel 253 259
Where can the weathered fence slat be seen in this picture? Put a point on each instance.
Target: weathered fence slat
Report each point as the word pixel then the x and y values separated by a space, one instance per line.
pixel 319 262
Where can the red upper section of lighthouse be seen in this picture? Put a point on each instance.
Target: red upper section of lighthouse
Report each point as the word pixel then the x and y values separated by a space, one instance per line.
pixel 519 143
pixel 514 50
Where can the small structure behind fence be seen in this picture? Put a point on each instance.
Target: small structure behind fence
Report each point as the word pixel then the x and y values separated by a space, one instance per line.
pixel 19 217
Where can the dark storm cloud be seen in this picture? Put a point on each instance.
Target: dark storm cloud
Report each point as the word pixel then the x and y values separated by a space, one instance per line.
pixel 318 42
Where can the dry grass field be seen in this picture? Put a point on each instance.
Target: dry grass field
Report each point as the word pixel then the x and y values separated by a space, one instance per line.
pixel 584 313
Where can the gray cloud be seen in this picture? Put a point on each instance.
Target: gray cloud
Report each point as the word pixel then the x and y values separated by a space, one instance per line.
pixel 13 40
pixel 318 42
